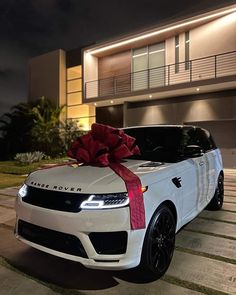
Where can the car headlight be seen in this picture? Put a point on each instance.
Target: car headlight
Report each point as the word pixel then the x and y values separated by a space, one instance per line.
pixel 23 191
pixel 105 201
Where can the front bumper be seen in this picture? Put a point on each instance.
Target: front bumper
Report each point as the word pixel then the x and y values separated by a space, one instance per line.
pixel 86 228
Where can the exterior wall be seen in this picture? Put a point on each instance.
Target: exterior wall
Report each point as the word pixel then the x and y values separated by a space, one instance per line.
pixel 214 111
pixel 179 110
pixel 215 37
pixel 111 115
pixel 47 77
pixel 114 65
pixel 90 73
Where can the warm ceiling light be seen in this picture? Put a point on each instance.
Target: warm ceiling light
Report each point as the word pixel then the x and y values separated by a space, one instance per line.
pixel 150 96
pixel 198 89
pixel 95 103
pixel 111 101
pixel 158 32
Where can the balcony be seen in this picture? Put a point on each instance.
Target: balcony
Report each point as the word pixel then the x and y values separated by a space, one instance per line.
pixel 209 69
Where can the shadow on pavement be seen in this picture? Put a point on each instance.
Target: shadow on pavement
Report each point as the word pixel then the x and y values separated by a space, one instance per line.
pixel 61 272
pixel 69 274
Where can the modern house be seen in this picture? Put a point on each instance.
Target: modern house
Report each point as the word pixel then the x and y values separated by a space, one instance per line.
pixel 57 75
pixel 179 72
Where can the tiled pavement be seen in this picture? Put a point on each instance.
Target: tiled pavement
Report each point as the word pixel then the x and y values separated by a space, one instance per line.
pixel 204 261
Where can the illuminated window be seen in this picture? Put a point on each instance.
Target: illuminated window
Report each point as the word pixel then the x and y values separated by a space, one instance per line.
pixel 177 54
pixel 74 72
pixel 83 114
pixel 80 111
pixel 148 66
pixel 74 98
pixel 187 50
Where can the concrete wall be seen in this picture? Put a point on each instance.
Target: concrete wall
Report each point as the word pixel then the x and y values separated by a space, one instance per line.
pixel 212 38
pixel 47 77
pixel 215 37
pixel 90 73
pixel 204 107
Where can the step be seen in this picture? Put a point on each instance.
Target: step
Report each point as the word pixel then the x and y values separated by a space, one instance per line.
pixel 212 227
pixel 14 283
pixel 212 274
pixel 230 188
pixel 7 202
pixel 230 193
pixel 9 191
pixel 229 199
pixel 128 288
pixel 229 206
pixel 202 243
pixel 6 214
pixel 219 215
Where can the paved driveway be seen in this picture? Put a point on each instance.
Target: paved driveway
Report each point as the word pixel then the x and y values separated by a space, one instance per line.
pixel 204 261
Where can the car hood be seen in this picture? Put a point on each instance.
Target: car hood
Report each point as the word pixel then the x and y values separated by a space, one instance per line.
pixel 90 179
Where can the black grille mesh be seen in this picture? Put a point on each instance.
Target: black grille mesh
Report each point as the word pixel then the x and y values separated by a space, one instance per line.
pixel 61 201
pixel 51 239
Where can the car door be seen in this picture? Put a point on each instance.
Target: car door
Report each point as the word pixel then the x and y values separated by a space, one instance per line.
pixel 200 165
pixel 187 172
pixel 208 147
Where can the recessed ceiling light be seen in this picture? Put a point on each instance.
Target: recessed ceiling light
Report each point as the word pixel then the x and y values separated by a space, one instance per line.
pixel 197 89
pixel 95 103
pixel 111 101
pixel 150 96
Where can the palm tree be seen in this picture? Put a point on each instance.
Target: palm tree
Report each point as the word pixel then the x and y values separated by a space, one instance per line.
pixel 46 129
pixel 35 126
pixel 15 130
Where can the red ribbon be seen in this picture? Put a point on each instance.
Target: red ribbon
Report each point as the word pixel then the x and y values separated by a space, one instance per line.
pixel 106 146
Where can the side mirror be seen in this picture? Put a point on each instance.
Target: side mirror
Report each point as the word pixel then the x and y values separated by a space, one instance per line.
pixel 193 151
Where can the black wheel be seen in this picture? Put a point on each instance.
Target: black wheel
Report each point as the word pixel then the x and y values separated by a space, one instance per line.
pixel 216 202
pixel 158 244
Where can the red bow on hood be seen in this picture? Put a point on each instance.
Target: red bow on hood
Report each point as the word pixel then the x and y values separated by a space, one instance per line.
pixel 103 145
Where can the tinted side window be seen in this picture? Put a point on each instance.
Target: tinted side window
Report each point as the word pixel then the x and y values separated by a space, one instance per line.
pixel 201 138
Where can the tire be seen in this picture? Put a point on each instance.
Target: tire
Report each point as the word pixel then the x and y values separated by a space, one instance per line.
pixel 159 244
pixel 216 202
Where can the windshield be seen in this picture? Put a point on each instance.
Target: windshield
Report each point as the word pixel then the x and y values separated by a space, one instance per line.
pixel 159 144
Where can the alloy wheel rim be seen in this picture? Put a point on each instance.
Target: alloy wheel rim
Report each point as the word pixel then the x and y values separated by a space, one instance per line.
pixel 220 191
pixel 162 242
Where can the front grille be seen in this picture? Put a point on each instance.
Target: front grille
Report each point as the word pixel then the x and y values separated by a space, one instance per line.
pixel 51 239
pixel 110 243
pixel 61 201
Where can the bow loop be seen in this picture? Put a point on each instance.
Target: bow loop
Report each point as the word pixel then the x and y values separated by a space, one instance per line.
pixel 103 145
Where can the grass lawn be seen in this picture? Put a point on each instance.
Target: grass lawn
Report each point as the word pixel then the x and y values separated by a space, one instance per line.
pixel 7 180
pixel 12 173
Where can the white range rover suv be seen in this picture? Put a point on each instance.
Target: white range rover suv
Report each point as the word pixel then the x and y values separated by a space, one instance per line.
pixel 181 173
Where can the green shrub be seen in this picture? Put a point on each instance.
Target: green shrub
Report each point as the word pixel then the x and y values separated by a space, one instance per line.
pixel 28 158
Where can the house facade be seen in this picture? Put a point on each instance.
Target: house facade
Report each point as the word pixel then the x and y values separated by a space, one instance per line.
pixel 182 72
pixel 179 72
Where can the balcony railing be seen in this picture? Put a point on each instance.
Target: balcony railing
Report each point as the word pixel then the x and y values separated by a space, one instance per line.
pixel 211 67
